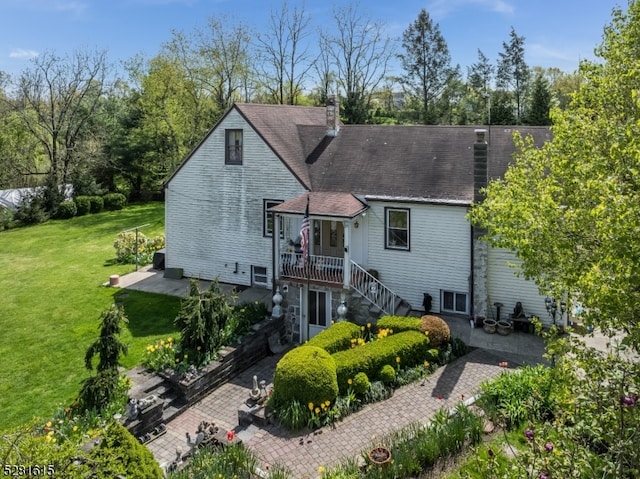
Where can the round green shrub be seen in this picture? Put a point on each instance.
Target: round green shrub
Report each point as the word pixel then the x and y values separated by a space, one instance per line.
pixel 361 383
pixel 387 374
pixel 96 204
pixel 306 374
pixel 66 210
pixel 119 454
pixel 83 205
pixel 114 201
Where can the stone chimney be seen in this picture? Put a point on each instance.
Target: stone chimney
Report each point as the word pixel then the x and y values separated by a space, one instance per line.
pixel 480 248
pixel 480 166
pixel 333 115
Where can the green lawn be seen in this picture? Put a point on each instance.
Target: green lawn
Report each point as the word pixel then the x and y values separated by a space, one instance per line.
pixel 52 294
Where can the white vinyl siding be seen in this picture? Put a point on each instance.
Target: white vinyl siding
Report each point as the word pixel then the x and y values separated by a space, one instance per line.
pixel 506 287
pixel 439 258
pixel 215 212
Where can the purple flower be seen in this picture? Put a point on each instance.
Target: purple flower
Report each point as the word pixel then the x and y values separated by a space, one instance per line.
pixel 543 475
pixel 629 400
pixel 548 446
pixel 528 433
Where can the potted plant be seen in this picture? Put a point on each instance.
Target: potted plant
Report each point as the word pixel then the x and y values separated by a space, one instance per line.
pixel 379 455
pixel 489 325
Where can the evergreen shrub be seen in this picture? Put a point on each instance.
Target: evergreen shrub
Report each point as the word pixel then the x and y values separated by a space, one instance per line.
pixel 114 201
pixel 336 337
pixel 96 204
pixel 306 374
pixel 387 374
pixel 361 383
pixel 411 347
pixel 66 210
pixel 399 323
pixel 83 205
pixel 119 454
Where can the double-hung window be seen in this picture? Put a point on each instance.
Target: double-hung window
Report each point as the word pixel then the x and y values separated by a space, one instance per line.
pixel 233 147
pixel 397 228
pixel 268 218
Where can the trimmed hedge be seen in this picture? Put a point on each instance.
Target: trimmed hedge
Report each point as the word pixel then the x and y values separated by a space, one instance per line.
pixel 83 205
pixel 66 210
pixel 336 337
pixel 306 374
pixel 399 323
pixel 114 201
pixel 96 204
pixel 412 347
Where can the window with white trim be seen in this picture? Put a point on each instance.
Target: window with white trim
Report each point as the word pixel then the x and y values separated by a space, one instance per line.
pixel 268 218
pixel 396 222
pixel 454 302
pixel 318 308
pixel 259 275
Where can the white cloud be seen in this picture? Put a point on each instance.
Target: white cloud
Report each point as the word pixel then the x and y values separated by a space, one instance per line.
pixel 22 53
pixel 443 8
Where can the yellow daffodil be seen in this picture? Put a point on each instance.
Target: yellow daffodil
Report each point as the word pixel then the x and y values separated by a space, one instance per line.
pixel 310 405
pixel 320 469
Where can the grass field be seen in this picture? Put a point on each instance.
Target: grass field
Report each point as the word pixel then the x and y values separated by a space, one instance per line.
pixel 51 296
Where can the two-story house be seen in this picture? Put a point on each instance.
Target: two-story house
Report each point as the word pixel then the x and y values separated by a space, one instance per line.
pixel 369 215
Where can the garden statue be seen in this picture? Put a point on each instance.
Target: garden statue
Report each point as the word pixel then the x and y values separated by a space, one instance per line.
pixel 255 392
pixel 132 409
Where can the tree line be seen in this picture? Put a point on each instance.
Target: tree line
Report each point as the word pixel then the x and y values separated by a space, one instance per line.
pixel 70 118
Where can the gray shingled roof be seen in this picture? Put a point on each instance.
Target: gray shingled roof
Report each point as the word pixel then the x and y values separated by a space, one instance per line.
pixel 421 162
pixel 433 163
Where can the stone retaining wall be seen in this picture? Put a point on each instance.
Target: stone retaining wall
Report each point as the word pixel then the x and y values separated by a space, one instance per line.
pixel 233 360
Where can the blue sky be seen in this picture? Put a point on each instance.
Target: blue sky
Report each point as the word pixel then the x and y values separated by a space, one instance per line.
pixel 558 33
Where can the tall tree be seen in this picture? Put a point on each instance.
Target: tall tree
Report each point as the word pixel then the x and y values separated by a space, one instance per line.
pixel 539 105
pixel 478 98
pixel 224 49
pixel 427 64
pixel 286 58
pixel 58 99
pixel 571 209
pixel 360 51
pixel 513 73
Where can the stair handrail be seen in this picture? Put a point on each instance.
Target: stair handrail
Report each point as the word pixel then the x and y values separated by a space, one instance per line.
pixel 379 295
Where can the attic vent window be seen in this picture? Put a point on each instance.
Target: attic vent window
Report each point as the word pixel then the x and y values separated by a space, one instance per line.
pixel 233 147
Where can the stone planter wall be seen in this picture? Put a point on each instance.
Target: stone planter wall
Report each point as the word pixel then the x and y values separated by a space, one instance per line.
pixel 233 360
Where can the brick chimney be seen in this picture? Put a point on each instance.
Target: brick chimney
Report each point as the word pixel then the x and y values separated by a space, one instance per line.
pixel 333 115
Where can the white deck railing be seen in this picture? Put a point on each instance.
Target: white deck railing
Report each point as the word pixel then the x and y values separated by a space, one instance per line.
pixel 327 269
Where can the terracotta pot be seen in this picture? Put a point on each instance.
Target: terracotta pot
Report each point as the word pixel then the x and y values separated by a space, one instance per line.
pixel 379 455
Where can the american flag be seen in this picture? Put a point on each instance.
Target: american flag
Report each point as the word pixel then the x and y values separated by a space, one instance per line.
pixel 304 234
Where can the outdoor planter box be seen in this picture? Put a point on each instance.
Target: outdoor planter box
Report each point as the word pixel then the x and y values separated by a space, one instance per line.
pixel 234 359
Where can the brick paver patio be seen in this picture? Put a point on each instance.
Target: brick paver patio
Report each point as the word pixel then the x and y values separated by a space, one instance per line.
pixel 303 454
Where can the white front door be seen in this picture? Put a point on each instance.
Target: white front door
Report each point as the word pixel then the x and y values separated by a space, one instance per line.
pixel 319 303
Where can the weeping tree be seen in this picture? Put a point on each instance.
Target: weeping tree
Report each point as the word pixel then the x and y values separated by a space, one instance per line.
pixel 99 390
pixel 203 320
